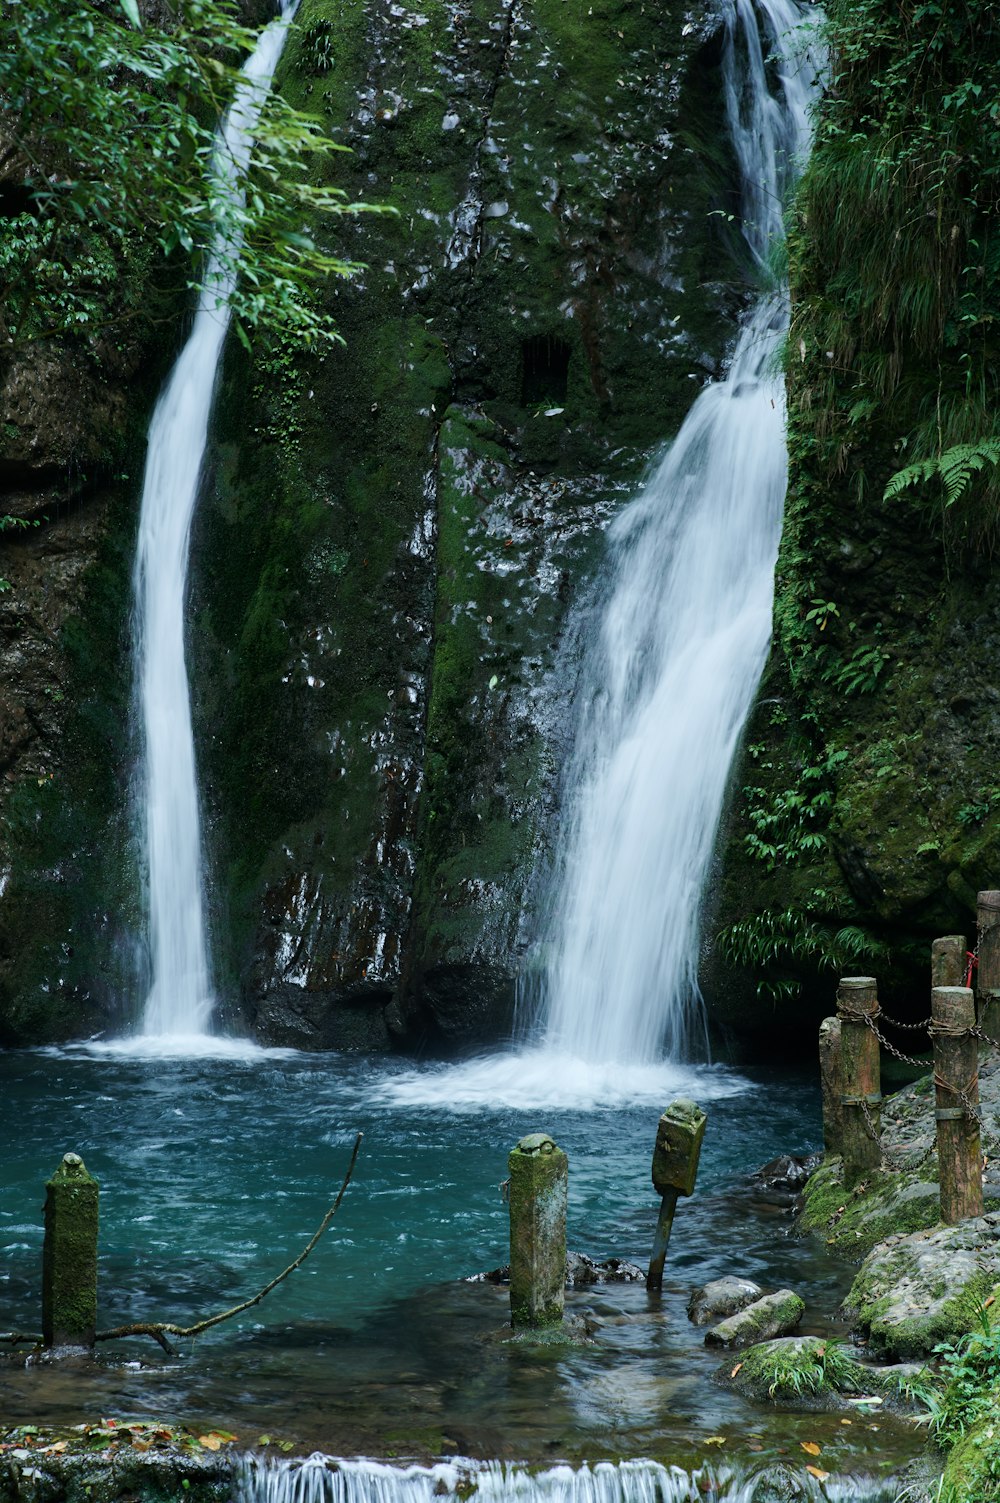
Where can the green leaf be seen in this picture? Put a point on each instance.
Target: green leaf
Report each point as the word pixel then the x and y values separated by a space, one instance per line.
pixel 131 10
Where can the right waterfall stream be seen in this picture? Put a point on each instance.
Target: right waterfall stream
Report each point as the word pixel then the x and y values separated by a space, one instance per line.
pixel 684 621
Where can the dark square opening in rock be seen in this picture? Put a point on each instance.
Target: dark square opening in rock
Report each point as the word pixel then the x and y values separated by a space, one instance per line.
pixel 544 369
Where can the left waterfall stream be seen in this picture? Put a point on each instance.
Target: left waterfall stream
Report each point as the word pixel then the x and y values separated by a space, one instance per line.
pixel 179 1003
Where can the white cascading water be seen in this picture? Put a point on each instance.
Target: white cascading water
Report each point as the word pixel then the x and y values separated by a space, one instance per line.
pixel 180 998
pixel 323 1479
pixel 685 621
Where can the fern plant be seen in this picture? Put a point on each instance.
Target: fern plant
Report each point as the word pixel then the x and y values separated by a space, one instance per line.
pixel 955 469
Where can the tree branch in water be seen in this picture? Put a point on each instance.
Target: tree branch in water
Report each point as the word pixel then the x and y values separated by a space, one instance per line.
pixel 161 1329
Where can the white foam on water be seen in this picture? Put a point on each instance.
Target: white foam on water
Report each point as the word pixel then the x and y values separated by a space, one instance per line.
pixel 542 1077
pixel 328 1479
pixel 166 1046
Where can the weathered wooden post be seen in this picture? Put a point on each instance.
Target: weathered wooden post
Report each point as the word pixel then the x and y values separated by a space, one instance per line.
pixel 956 1080
pixel 857 999
pixel 69 1256
pixel 948 960
pixel 988 972
pixel 538 1191
pixel 675 1167
pixel 831 1082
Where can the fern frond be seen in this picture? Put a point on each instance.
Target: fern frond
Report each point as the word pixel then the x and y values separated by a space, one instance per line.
pixel 954 468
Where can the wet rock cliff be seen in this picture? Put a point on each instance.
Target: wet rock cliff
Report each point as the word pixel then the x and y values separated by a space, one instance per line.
pixel 392 534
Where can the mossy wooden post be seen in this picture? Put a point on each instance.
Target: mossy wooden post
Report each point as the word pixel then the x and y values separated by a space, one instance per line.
pixel 956 1075
pixel 948 960
pixel 988 972
pixel 538 1189
pixel 831 1081
pixel 675 1166
pixel 857 999
pixel 69 1256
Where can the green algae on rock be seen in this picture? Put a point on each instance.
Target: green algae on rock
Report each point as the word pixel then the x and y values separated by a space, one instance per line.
pixel 921 1288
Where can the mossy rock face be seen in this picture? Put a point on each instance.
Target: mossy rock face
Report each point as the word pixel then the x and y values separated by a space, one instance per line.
pixel 71 456
pixel 972 1471
pixel 866 796
pixel 394 532
pixel 916 1290
pixel 881 1206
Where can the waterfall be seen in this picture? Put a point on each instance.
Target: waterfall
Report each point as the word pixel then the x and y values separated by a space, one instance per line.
pixel 684 625
pixel 180 996
pixel 323 1479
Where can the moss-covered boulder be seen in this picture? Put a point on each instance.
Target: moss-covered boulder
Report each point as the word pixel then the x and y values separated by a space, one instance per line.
pixel 918 1289
pixel 972 1470
pixel 796 1368
pixel 772 1315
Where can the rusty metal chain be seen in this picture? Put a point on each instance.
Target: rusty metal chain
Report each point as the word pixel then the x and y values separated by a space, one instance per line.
pixel 875 1135
pixel 978 1032
pixel 906 1059
pixel 910 1027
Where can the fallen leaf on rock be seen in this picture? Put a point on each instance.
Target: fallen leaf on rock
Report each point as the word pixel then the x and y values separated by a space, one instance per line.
pixel 818 1473
pixel 716 1440
pixel 210 1442
pixel 811 1447
pixel 736 1369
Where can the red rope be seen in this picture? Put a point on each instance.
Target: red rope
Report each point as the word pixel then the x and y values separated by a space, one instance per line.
pixel 973 960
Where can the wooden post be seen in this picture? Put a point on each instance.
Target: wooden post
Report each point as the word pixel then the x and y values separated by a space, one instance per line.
pixel 832 1083
pixel 675 1166
pixel 988 973
pixel 69 1256
pixel 857 998
pixel 956 1074
pixel 538 1186
pixel 948 960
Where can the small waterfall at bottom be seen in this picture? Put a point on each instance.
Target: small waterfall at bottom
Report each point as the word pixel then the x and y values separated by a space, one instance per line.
pixel 325 1479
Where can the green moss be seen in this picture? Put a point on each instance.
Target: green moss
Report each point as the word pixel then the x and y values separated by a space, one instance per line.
pixel 801 1366
pixel 370 511
pixel 884 1204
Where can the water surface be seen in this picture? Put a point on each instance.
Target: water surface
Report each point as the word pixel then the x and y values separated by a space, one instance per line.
pixel 214 1173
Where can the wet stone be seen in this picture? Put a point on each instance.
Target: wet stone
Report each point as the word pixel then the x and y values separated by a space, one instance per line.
pixel 774 1315
pixel 721 1298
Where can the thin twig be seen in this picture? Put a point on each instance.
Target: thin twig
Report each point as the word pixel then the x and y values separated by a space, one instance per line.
pixel 161 1328
pixel 19 1338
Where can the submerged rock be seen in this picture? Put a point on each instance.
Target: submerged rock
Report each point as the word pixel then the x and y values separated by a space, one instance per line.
pixel 721 1298
pixel 774 1315
pixel 581 1272
pixel 785 1175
